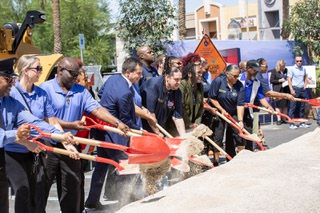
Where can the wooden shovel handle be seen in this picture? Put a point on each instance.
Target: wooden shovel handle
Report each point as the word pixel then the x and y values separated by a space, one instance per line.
pixel 81 155
pixel 164 131
pixel 218 147
pixel 91 142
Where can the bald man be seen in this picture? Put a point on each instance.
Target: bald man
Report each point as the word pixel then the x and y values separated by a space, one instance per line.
pixel 70 101
pixel 146 56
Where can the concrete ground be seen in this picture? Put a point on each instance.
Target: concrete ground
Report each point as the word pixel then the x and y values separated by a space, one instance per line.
pixel 275 136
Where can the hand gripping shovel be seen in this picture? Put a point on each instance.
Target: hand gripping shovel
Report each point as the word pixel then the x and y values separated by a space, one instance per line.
pixel 142 150
pixel 293 120
pixel 252 137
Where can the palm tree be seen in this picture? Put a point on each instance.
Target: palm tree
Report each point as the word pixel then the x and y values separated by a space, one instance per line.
pixel 56 26
pixel 182 19
pixel 285 16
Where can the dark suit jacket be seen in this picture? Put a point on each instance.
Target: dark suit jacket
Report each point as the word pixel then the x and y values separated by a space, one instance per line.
pixel 118 99
pixel 274 80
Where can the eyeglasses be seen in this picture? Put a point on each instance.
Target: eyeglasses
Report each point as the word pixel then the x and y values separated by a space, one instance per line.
pixel 298 61
pixel 73 73
pixel 37 68
pixel 266 66
pixel 9 80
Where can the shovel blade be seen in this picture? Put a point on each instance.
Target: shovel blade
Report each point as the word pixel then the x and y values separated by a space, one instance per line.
pixel 147 150
pixel 173 144
pixel 251 137
pixel 298 120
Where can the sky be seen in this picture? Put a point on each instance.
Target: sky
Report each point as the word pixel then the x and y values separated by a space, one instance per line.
pixel 191 5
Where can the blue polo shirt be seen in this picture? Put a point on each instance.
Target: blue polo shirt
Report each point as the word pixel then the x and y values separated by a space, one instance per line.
pixel 297 76
pixel 15 114
pixel 39 104
pixel 147 73
pixel 160 101
pixel 248 88
pixel 69 106
pixel 228 98
pixel 37 100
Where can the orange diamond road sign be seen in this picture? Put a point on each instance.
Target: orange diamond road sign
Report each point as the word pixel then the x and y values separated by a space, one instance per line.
pixel 208 51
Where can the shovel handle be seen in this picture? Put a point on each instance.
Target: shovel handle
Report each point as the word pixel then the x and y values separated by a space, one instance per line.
pixel 164 131
pixel 218 147
pixel 110 128
pixel 81 155
pixel 270 111
pixel 91 142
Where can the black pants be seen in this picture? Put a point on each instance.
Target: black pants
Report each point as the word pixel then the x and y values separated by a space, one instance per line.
pixel 22 179
pixel 68 174
pixel 248 124
pixel 296 109
pixel 232 136
pixel 4 196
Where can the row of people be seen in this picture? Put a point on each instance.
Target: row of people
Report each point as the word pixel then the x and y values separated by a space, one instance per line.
pixel 173 99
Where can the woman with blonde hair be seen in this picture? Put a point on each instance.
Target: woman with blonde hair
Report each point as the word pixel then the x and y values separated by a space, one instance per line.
pixel 279 83
pixel 23 167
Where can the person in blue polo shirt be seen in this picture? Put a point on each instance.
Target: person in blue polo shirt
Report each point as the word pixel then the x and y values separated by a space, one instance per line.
pixel 227 95
pixel 12 115
pixel 253 90
pixel 163 98
pixel 70 101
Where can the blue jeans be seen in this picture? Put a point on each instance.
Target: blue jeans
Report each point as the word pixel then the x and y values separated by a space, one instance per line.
pixel 318 118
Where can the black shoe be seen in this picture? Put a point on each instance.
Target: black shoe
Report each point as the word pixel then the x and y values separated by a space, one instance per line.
pixel 279 123
pixel 318 123
pixel 96 206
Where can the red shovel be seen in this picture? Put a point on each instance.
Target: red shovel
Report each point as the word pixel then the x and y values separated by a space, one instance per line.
pixel 81 155
pixel 173 143
pixel 142 150
pixel 293 120
pixel 313 102
pixel 255 138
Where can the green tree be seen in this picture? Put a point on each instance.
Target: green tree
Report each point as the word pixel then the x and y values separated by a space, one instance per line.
pixel 145 23
pixel 76 16
pixel 304 25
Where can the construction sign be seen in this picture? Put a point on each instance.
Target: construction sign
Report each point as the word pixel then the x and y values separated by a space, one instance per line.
pixel 209 52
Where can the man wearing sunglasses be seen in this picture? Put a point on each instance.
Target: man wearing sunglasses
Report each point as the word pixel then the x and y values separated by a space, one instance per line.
pixel 12 115
pixel 146 56
pixel 70 101
pixel 297 81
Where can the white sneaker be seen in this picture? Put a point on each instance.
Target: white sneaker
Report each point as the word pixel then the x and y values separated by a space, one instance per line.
pixel 304 125
pixel 292 126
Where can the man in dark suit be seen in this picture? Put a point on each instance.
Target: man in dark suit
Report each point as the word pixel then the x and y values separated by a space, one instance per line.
pixel 118 99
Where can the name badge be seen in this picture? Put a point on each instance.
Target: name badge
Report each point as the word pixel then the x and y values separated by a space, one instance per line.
pixel 222 91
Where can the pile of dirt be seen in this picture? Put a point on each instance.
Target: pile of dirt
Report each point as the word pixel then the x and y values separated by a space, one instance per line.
pixel 283 179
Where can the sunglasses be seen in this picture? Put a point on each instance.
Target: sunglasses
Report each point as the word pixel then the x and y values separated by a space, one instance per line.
pixel 299 61
pixel 235 76
pixel 9 80
pixel 37 68
pixel 73 73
